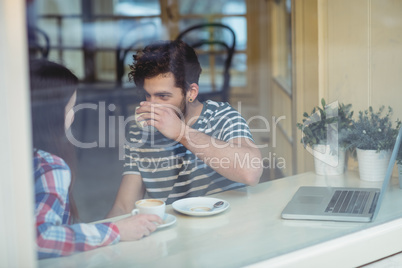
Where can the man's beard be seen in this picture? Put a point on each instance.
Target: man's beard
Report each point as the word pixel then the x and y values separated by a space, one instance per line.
pixel 183 109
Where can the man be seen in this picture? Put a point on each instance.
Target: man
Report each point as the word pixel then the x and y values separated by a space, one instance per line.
pixel 196 148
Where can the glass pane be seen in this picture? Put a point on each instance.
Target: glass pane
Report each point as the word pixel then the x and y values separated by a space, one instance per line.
pixel 138 33
pixel 239 26
pixel 70 7
pixel 227 7
pixel 137 7
pixel 105 33
pixel 213 68
pixel 105 67
pixel 238 70
pixel 73 59
pixel 127 33
pixel 239 62
pixel 205 33
pixel 212 72
pixel 67 33
pixel 212 57
pixel 59 20
pixel 187 23
pixel 234 7
pixel 71 30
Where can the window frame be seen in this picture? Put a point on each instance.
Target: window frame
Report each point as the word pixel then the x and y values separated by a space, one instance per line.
pixel 16 185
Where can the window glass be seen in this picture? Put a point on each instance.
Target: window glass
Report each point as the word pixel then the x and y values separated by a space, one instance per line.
pixel 126 33
pixel 239 26
pixel 61 7
pixel 59 27
pixel 104 32
pixel 206 33
pixel 137 7
pixel 86 41
pixel 213 65
pixel 227 7
pixel 213 68
pixel 239 67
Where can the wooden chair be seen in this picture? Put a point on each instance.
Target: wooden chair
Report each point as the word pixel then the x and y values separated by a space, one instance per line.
pixel 38 43
pixel 215 44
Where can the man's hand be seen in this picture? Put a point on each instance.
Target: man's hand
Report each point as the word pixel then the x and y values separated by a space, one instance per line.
pixel 137 226
pixel 168 119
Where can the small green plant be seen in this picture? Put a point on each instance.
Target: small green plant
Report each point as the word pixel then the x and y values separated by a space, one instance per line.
pixel 327 125
pixel 399 156
pixel 373 130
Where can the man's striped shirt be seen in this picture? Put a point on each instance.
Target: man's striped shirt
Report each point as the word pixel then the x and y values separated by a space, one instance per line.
pixel 170 171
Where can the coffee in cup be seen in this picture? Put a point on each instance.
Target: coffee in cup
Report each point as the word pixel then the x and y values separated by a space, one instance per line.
pixel 150 206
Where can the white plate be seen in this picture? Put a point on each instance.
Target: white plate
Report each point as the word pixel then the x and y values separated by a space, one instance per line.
pixel 199 206
pixel 169 220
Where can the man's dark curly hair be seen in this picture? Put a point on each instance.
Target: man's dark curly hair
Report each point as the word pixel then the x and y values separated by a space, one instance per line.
pixel 162 57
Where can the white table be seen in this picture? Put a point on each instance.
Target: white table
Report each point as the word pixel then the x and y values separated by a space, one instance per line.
pixel 251 232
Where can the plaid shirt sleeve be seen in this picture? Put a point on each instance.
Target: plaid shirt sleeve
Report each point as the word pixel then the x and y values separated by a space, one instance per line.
pixel 55 236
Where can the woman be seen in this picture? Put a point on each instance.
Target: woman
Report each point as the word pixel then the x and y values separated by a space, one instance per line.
pixel 53 94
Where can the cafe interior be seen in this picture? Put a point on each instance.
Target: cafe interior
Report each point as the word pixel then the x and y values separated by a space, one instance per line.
pixel 272 60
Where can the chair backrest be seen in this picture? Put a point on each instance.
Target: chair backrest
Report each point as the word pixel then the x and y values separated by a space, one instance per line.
pixel 226 45
pixel 126 45
pixel 38 43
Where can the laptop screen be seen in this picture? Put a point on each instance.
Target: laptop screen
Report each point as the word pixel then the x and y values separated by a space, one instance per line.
pixel 389 170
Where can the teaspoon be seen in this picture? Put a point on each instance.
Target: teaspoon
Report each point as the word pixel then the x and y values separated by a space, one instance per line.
pixel 217 205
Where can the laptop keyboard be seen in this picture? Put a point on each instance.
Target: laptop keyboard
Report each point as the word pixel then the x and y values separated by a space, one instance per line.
pixel 346 201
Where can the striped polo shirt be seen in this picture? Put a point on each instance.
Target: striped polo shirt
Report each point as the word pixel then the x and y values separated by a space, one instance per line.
pixel 170 171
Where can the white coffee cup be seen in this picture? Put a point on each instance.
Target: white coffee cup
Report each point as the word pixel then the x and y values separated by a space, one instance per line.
pixel 150 206
pixel 142 124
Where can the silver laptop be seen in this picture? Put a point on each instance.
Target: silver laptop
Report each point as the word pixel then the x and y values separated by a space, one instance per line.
pixel 340 203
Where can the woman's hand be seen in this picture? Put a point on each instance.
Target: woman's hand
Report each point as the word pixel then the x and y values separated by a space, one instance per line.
pixel 137 226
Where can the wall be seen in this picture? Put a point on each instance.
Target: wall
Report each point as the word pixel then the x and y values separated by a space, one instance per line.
pixel 363 42
pixel 363 55
pixel 358 45
pixel 305 70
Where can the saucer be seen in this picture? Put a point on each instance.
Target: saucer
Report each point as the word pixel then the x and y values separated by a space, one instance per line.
pixel 199 206
pixel 168 220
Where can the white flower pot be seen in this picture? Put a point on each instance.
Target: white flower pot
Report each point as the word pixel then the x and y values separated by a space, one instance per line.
pixel 326 163
pixel 372 164
pixel 400 175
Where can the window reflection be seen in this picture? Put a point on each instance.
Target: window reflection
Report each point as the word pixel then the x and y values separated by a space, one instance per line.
pixel 84 37
pixel 87 39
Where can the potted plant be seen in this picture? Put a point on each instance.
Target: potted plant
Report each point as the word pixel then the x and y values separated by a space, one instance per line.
pixel 373 137
pixel 399 157
pixel 324 134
